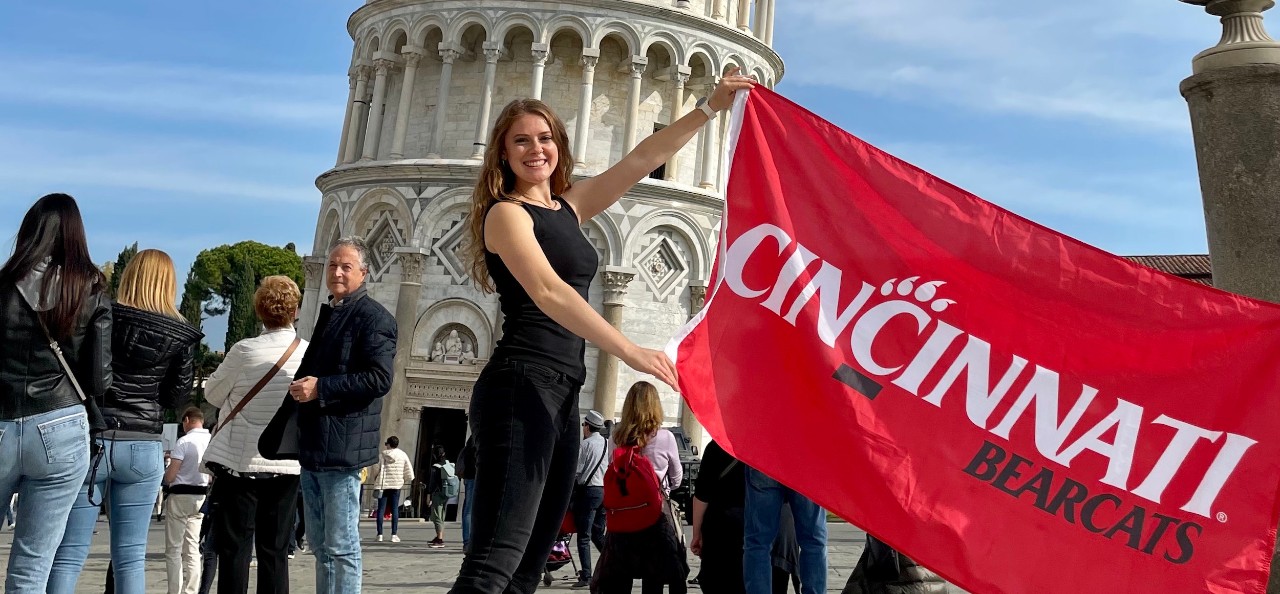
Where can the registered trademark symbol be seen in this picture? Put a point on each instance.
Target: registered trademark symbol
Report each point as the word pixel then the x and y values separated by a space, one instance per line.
pixel 1222 517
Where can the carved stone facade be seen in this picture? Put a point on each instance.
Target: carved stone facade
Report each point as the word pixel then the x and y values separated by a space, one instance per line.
pixel 427 79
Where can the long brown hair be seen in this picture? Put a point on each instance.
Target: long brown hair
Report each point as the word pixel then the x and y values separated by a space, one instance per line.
pixel 641 416
pixel 149 283
pixel 53 229
pixel 497 180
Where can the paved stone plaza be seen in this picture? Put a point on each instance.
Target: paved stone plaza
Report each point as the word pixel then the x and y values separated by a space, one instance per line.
pixel 408 566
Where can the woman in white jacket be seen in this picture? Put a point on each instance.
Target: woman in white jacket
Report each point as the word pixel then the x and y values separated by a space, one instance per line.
pixel 392 472
pixel 254 499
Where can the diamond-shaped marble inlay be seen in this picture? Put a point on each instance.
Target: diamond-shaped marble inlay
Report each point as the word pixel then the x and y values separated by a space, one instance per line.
pixel 449 251
pixel 384 238
pixel 662 267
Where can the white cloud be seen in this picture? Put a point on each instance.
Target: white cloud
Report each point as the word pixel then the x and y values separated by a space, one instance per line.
pixel 1114 62
pixel 175 92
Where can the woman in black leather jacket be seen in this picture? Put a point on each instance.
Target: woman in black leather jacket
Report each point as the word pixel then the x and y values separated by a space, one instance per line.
pixel 153 347
pixel 44 433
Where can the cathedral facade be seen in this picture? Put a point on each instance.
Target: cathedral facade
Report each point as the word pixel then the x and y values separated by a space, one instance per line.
pixel 427 79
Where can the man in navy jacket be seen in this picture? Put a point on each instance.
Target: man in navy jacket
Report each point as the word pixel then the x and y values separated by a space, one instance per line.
pixel 339 388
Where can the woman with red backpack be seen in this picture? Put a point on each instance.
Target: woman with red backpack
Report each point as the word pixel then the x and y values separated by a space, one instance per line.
pixel 644 538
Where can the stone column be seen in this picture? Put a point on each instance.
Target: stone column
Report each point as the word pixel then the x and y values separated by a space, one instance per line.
pixel 357 110
pixel 1234 99
pixel 590 56
pixel 757 28
pixel 744 15
pixel 678 75
pixel 768 24
pixel 615 282
pixel 717 9
pixel 346 119
pixel 412 262
pixel 448 53
pixel 373 130
pixel 411 55
pixel 492 50
pixel 692 428
pixel 636 67
pixel 313 292
pixel 708 133
pixel 540 52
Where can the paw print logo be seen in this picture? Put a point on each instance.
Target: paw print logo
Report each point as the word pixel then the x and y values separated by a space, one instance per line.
pixel 924 293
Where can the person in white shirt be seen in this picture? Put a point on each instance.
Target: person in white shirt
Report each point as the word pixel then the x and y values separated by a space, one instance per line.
pixel 186 487
pixel 255 500
pixel 588 498
pixel 393 471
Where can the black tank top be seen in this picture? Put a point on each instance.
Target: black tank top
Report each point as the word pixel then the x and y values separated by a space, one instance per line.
pixel 527 333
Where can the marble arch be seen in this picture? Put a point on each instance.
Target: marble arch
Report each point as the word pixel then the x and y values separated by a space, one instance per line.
pixel 452 311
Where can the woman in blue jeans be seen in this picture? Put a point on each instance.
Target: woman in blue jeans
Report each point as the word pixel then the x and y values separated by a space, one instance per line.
pixel 153 348
pixel 526 243
pixel 50 285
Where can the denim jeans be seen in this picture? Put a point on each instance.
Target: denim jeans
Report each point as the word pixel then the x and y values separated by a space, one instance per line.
pixel 128 479
pixel 588 518
pixel 765 497
pixel 469 486
pixel 332 502
pixel 43 458
pixel 524 418
pixel 390 497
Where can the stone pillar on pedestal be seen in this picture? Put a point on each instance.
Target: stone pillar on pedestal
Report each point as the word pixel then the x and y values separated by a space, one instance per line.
pixel 678 75
pixel 1234 99
pixel 492 51
pixel 448 53
pixel 358 105
pixel 540 52
pixel 313 293
pixel 692 428
pixel 636 68
pixel 373 133
pixel 413 261
pixel 590 56
pixel 615 280
pixel 412 55
pixel 346 119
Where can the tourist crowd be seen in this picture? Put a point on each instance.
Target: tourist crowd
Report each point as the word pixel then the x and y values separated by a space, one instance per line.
pixel 86 380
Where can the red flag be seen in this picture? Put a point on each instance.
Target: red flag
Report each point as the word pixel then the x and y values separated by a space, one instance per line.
pixel 1019 411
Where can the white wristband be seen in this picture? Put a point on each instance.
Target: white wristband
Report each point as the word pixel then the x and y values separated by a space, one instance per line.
pixel 711 113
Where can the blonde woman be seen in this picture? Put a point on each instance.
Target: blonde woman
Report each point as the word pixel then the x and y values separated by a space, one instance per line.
pixel 152 348
pixel 655 555
pixel 255 502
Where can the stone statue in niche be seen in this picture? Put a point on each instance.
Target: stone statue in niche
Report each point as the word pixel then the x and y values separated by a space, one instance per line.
pixel 452 346
pixel 468 353
pixel 437 352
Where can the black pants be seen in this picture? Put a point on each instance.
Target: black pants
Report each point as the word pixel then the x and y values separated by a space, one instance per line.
pixel 525 421
pixel 588 518
pixel 257 510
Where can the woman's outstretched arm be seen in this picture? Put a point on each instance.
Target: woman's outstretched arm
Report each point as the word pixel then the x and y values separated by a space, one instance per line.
pixel 592 196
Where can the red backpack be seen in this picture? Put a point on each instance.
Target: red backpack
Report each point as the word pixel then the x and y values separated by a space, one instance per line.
pixel 632 494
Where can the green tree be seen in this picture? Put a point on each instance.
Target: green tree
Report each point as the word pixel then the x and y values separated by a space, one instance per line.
pixel 122 260
pixel 242 322
pixel 218 279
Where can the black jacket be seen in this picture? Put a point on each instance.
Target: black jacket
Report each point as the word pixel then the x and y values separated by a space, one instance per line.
pixel 152 367
pixel 351 353
pixel 31 379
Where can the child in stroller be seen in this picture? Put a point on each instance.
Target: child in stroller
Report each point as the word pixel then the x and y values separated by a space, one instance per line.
pixel 560 552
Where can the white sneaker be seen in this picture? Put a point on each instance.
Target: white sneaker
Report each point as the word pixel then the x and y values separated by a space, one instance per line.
pixel 395 538
pixel 379 538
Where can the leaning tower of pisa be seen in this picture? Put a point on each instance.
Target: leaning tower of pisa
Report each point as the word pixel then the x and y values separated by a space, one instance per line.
pixel 426 80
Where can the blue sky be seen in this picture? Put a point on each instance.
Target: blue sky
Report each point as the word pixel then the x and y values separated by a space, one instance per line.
pixel 183 126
